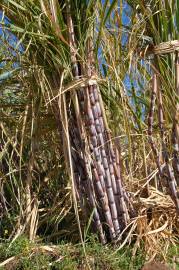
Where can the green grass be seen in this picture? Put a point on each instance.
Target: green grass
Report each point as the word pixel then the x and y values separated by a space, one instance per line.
pixel 173 256
pixel 69 256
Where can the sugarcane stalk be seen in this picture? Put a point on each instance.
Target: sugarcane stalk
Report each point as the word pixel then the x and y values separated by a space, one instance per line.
pixel 150 123
pixel 172 186
pixel 175 130
pixel 165 154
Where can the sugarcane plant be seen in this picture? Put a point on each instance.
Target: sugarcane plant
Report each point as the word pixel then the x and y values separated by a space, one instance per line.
pixel 70 98
pixel 92 159
pixel 99 179
pixel 164 63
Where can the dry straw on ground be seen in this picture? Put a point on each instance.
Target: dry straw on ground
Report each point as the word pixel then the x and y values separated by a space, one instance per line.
pixel 157 226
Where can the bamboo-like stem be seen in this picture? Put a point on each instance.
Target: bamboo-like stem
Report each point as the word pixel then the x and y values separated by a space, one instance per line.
pixel 161 122
pixel 150 123
pixel 175 131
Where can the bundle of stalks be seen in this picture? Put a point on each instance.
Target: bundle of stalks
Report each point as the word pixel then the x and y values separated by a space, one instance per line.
pixel 95 164
pixel 93 161
pixel 163 161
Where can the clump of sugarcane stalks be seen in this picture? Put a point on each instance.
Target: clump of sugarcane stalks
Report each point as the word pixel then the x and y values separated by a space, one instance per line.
pixel 66 66
pixel 95 163
pixel 165 170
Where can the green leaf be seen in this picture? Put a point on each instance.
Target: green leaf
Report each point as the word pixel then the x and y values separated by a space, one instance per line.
pixel 17 5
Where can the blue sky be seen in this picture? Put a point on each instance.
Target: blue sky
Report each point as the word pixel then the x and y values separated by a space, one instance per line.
pixel 12 39
pixel 7 36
